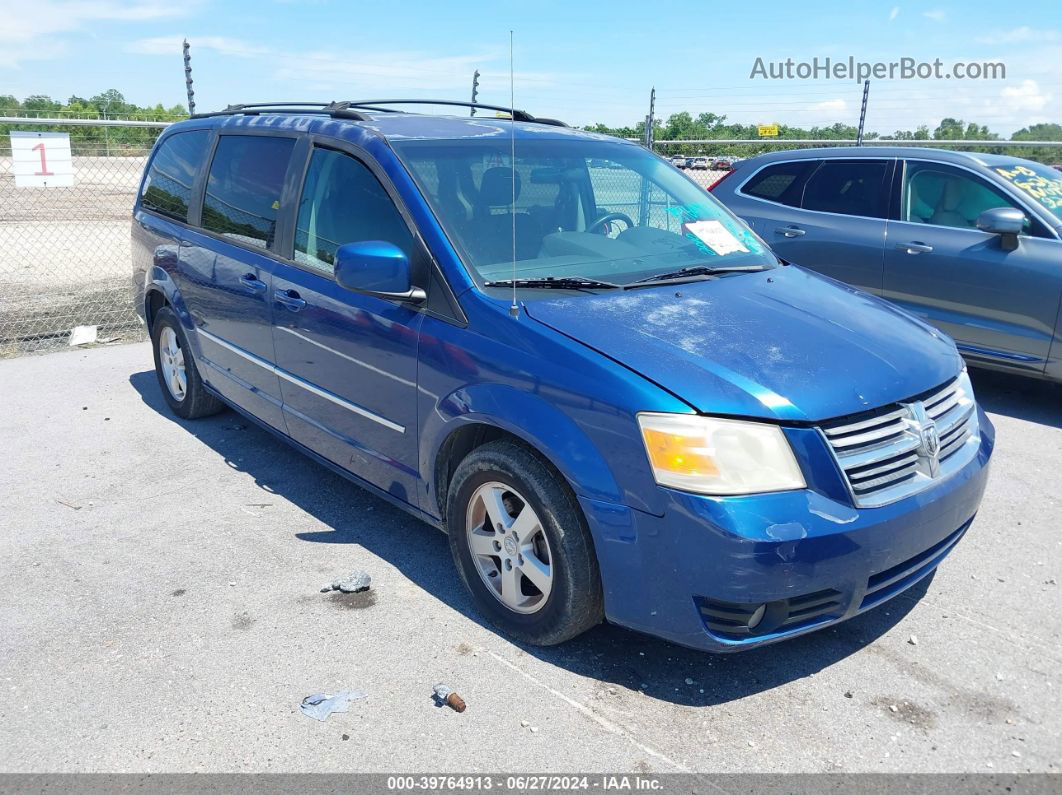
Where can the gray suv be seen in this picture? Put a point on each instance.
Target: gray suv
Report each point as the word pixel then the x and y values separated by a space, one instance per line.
pixel 970 242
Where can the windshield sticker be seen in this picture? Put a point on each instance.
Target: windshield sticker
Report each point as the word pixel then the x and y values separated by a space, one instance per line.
pixel 704 213
pixel 1046 191
pixel 716 236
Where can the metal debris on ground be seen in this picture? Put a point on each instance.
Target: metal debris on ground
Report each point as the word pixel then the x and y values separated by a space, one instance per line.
pixel 356 582
pixel 320 705
pixel 444 696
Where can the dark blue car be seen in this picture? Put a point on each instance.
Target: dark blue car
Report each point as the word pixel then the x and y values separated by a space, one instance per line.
pixel 603 386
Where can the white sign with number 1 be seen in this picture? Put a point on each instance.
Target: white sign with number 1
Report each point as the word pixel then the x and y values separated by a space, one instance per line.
pixel 41 160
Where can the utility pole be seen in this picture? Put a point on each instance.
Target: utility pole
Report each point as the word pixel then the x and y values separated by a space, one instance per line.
pixel 863 113
pixel 649 120
pixel 475 90
pixel 643 203
pixel 188 77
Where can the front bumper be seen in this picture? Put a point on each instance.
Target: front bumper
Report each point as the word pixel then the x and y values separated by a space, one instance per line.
pixel 685 576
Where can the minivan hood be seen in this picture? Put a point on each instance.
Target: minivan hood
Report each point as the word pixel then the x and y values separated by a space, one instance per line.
pixel 783 344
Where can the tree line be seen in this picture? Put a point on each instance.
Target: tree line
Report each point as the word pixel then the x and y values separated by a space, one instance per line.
pixel 111 104
pixel 686 126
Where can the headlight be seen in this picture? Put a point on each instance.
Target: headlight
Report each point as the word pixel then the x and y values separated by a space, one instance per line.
pixel 709 455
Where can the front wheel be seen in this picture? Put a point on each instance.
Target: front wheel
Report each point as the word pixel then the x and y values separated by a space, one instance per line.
pixel 521 545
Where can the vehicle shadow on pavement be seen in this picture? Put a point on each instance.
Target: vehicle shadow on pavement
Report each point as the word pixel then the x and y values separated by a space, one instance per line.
pixel 1017 396
pixel 619 658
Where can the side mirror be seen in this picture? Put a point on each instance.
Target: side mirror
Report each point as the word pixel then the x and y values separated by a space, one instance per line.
pixel 1006 222
pixel 375 267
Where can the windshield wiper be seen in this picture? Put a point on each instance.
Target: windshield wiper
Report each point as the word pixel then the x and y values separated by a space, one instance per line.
pixel 692 272
pixel 557 283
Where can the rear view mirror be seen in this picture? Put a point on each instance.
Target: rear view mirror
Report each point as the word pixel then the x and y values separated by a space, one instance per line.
pixel 1007 222
pixel 375 267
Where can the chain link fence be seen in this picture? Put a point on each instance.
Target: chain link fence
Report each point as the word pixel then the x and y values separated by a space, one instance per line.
pixel 64 251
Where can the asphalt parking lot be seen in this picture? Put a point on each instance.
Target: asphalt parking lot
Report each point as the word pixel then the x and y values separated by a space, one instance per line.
pixel 161 610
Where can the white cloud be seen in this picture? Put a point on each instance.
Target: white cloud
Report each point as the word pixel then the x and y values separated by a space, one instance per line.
pixel 172 45
pixel 894 13
pixel 1025 97
pixel 369 71
pixel 831 105
pixel 359 72
pixel 34 31
pixel 1021 35
pixel 937 15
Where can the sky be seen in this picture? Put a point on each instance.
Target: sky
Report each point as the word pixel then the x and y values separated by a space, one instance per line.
pixel 583 62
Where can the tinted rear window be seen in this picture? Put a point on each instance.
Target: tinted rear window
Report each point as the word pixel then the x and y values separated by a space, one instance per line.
pixel 781 182
pixel 243 191
pixel 171 175
pixel 851 187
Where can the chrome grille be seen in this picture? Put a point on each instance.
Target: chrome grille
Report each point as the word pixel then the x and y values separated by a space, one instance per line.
pixel 898 450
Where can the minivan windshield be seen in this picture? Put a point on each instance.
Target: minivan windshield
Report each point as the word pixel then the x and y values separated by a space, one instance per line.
pixel 1036 181
pixel 586 211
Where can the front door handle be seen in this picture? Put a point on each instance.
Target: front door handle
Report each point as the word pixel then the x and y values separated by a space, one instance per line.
pixel 291 299
pixel 790 231
pixel 914 247
pixel 253 283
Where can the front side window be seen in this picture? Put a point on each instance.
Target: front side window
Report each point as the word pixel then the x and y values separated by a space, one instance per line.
pixel 848 187
pixel 171 175
pixel 579 207
pixel 243 190
pixel 342 202
pixel 942 196
pixel 781 182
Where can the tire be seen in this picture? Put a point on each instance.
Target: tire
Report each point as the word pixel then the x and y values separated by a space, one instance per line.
pixel 510 478
pixel 188 399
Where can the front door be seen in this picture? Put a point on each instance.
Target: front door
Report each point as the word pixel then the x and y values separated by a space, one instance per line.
pixel 999 306
pixel 347 362
pixel 227 270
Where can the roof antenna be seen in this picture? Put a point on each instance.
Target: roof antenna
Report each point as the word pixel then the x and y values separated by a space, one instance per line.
pixel 514 310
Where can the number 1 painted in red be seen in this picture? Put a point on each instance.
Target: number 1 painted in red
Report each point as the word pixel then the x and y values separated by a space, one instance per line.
pixel 44 172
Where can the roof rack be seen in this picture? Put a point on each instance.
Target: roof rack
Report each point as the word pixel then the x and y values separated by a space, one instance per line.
pixel 334 109
pixel 518 115
pixel 351 109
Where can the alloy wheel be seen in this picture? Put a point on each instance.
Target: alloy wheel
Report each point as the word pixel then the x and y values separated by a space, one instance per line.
pixel 509 547
pixel 171 361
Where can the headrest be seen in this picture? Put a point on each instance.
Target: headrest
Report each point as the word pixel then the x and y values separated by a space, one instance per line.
pixel 496 186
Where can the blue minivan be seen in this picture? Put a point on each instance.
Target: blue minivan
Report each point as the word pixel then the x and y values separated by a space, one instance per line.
pixel 604 387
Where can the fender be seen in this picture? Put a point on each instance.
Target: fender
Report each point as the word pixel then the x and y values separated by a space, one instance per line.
pixel 528 417
pixel 159 280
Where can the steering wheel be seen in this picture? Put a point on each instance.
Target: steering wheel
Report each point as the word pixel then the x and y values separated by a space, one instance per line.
pixel 607 217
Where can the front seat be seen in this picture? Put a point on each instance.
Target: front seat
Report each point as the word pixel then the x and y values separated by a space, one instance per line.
pixel 493 232
pixel 947 212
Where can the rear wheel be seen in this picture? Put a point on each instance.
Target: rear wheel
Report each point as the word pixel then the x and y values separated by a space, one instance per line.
pixel 522 546
pixel 178 377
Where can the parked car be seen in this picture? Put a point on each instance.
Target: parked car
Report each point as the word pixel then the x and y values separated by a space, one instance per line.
pixel 723 163
pixel 699 163
pixel 969 242
pixel 663 426
pixel 679 161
